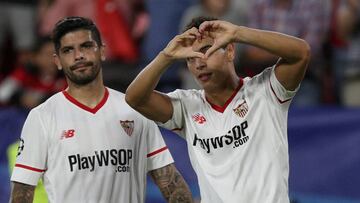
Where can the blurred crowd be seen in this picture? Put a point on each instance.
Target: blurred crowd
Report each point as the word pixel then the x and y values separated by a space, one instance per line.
pixel 134 31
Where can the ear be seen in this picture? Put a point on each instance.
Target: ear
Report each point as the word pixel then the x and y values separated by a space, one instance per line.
pixel 230 50
pixel 57 61
pixel 102 52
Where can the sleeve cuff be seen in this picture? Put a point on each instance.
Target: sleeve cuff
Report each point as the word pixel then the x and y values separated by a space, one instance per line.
pixel 26 175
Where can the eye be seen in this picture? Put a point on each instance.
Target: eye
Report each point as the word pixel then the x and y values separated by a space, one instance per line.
pixel 204 49
pixel 190 59
pixel 66 50
pixel 88 45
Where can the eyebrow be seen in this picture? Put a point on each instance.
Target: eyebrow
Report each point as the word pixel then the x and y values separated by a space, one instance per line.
pixel 82 44
pixel 87 42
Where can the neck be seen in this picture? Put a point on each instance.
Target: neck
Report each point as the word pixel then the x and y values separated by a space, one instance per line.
pixel 220 94
pixel 90 94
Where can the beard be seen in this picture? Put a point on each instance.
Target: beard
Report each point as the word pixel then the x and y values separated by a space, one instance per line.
pixel 83 77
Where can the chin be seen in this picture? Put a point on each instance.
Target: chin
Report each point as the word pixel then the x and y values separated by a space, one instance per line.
pixel 206 85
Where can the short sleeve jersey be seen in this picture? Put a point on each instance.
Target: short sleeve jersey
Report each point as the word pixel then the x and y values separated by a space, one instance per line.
pixel 83 154
pixel 239 151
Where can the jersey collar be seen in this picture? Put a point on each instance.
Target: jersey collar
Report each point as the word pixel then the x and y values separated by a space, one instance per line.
pixel 221 109
pixel 84 107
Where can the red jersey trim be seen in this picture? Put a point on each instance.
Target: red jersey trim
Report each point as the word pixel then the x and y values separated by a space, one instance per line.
pixel 221 109
pixel 86 108
pixel 177 129
pixel 156 152
pixel 30 168
pixel 281 101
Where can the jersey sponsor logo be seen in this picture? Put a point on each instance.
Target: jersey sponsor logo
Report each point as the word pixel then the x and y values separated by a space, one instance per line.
pixel 67 134
pixel 20 147
pixel 199 118
pixel 128 126
pixel 242 109
pixel 118 158
pixel 235 137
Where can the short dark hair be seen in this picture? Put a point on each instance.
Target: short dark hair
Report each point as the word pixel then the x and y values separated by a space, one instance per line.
pixel 73 23
pixel 196 22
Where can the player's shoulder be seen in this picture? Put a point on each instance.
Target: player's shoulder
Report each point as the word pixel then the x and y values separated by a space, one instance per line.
pixel 117 100
pixel 259 78
pixel 189 94
pixel 47 108
pixel 51 103
pixel 115 93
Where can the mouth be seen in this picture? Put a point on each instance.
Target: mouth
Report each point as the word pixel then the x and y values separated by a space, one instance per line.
pixel 81 66
pixel 203 77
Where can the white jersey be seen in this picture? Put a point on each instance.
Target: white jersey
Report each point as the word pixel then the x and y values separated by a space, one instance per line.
pixel 84 154
pixel 239 151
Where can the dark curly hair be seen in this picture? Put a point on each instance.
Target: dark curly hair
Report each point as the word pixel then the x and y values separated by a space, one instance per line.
pixel 196 22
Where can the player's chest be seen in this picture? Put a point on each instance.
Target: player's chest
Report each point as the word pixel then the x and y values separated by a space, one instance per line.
pixel 211 131
pixel 87 134
pixel 209 119
pixel 87 144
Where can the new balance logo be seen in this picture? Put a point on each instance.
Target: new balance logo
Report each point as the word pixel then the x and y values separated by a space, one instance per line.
pixel 199 118
pixel 67 134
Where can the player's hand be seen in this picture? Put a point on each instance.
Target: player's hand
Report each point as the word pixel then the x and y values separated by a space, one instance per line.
pixel 222 33
pixel 180 47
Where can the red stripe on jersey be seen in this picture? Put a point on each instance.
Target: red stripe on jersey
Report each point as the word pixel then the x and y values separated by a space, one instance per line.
pixel 30 168
pixel 177 129
pixel 156 152
pixel 281 101
pixel 86 108
pixel 221 109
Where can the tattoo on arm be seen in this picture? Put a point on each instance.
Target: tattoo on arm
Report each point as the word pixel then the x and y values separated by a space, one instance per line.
pixel 21 193
pixel 171 184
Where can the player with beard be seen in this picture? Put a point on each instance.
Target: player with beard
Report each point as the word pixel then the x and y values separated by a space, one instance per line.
pixel 85 142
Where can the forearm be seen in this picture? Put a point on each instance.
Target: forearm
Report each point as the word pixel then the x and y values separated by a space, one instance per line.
pixel 171 184
pixel 21 193
pixel 144 84
pixel 290 49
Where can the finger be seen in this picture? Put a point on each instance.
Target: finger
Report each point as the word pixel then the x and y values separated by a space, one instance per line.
pixel 211 34
pixel 208 25
pixel 187 39
pixel 212 49
pixel 205 26
pixel 196 54
pixel 194 31
pixel 190 34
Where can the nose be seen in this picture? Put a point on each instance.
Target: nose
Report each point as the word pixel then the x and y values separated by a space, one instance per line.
pixel 79 55
pixel 200 63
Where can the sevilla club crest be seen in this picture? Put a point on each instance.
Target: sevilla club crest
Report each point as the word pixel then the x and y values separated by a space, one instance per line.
pixel 242 109
pixel 128 126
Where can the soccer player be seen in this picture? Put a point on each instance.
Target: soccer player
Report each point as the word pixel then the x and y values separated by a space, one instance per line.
pixel 235 128
pixel 85 142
